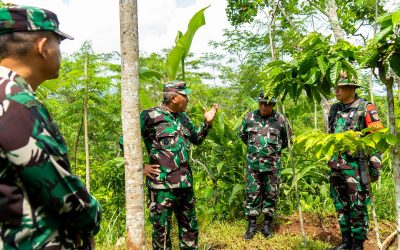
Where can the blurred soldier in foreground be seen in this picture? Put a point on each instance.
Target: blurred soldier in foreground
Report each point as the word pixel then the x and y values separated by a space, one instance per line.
pixel 167 133
pixel 265 132
pixel 348 190
pixel 42 206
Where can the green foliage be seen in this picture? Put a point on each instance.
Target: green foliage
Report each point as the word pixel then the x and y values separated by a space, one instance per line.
pixel 222 155
pixel 383 50
pixel 326 145
pixel 315 69
pixel 219 163
pixel 183 43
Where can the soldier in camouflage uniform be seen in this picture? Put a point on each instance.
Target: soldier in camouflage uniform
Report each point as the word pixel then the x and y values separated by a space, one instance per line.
pixel 42 206
pixel 349 195
pixel 265 133
pixel 168 132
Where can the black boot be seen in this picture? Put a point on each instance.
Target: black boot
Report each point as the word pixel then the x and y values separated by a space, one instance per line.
pixel 267 230
pixel 358 244
pixel 251 229
pixel 346 244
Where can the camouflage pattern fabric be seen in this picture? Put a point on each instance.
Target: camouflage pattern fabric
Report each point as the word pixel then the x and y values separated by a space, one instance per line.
pixel 167 137
pixel 265 138
pixel 350 197
pixel 262 191
pixel 162 203
pixel 27 18
pixel 42 205
pixel 177 86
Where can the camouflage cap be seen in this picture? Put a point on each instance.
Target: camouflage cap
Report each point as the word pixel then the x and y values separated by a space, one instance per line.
pixel 26 18
pixel 264 98
pixel 177 86
pixel 346 82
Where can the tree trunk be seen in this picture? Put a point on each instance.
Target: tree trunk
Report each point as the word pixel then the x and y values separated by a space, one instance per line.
pixel 331 10
pixel 303 233
pixel 315 116
pixel 76 146
pixel 371 85
pixel 275 56
pixel 85 125
pixel 397 80
pixel 326 106
pixel 130 112
pixel 395 153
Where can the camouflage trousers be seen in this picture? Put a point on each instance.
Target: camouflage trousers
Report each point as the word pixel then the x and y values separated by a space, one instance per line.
pixel 262 191
pixel 181 201
pixel 350 198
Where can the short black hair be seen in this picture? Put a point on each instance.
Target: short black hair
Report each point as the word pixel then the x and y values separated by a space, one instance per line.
pixel 18 44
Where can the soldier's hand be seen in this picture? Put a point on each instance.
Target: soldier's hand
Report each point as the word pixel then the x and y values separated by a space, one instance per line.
pixel 83 242
pixel 210 115
pixel 151 171
pixel 374 178
pixel 91 243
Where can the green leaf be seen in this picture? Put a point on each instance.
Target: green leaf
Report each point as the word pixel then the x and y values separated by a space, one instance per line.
pixel 335 72
pixel 322 63
pixel 391 139
pixel 235 189
pixel 219 166
pixel 208 193
pixel 148 73
pixel 349 68
pixel 394 61
pixel 381 35
pixel 396 18
pixel 329 149
pixel 181 50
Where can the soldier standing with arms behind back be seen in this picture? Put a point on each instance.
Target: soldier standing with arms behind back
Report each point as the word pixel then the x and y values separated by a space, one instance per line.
pixel 265 133
pixel 350 196
pixel 42 206
pixel 167 133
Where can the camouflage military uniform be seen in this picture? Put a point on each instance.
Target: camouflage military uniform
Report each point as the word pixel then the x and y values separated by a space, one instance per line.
pixel 350 197
pixel 42 205
pixel 167 137
pixel 265 138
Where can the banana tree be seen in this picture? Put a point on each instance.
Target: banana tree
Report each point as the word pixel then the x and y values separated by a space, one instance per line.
pixel 183 42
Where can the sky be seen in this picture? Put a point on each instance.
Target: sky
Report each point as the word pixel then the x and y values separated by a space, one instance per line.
pixel 159 22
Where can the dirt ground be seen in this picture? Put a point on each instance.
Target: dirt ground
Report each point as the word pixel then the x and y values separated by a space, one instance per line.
pixel 327 229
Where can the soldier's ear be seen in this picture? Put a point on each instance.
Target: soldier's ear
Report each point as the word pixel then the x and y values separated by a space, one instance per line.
pixel 42 46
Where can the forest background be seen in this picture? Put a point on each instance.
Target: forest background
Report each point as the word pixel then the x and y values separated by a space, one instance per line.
pixel 265 35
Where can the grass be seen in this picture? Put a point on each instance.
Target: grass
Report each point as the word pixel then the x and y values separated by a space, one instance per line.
pixel 229 235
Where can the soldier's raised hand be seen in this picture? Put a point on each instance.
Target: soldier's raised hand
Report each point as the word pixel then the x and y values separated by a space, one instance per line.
pixel 151 171
pixel 210 115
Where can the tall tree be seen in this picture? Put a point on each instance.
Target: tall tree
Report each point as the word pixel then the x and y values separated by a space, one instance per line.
pixel 383 53
pixel 85 122
pixel 130 112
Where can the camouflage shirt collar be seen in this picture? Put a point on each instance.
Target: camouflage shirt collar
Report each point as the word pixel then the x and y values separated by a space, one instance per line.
pixel 273 115
pixel 7 73
pixel 354 105
pixel 165 111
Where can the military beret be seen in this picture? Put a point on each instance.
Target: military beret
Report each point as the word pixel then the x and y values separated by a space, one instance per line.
pixel 17 18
